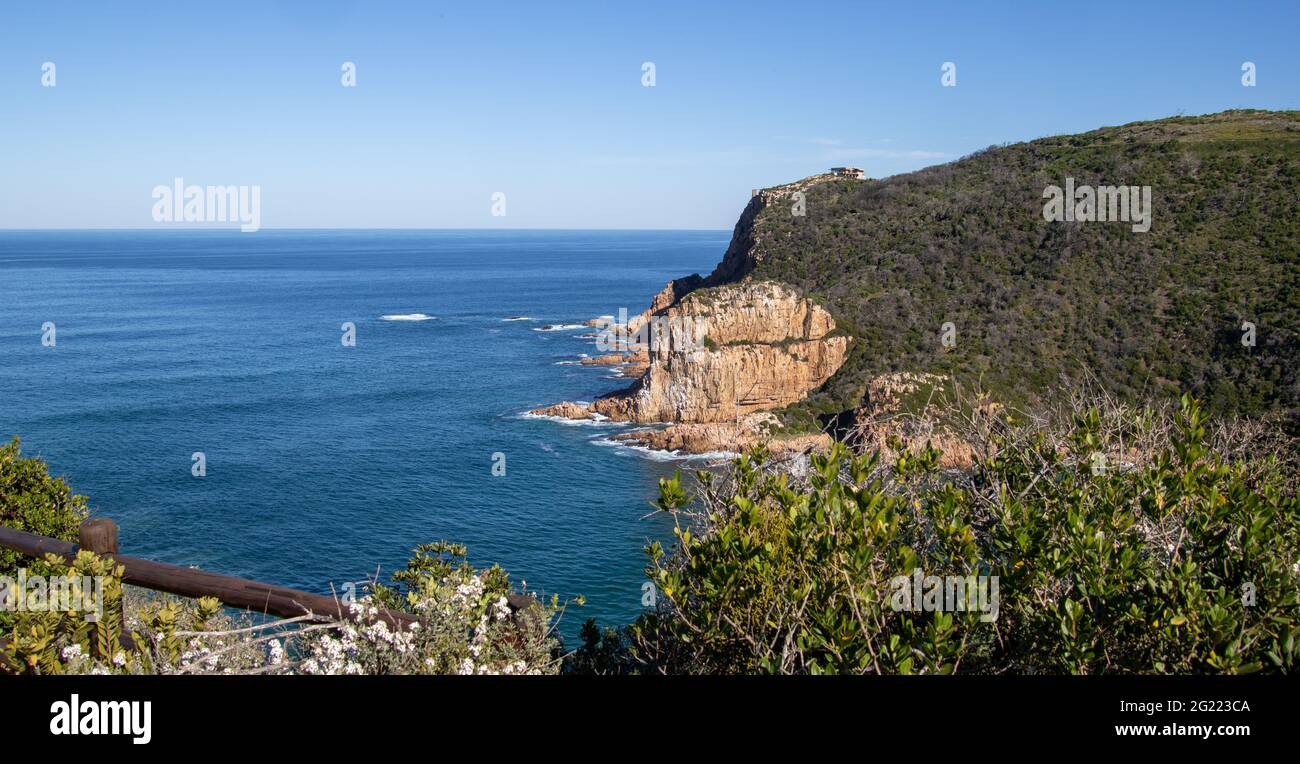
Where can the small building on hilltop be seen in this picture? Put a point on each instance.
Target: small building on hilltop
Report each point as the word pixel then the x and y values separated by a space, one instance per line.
pixel 850 172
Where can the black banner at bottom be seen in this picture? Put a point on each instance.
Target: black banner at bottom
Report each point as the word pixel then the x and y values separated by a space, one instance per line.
pixel 166 714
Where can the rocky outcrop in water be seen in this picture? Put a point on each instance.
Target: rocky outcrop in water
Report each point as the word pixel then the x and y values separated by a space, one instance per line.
pixel 725 437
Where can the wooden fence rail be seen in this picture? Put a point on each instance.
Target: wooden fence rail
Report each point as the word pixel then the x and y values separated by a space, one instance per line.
pixel 99 535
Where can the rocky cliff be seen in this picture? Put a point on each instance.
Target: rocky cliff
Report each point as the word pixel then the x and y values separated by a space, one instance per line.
pixel 720 353
pixel 715 355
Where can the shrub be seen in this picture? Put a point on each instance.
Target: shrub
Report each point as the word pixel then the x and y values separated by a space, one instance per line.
pixel 32 501
pixel 1174 551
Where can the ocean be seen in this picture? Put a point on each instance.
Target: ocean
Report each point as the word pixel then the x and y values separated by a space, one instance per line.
pixel 325 463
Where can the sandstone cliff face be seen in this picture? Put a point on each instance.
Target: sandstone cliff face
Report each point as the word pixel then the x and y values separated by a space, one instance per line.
pixel 721 353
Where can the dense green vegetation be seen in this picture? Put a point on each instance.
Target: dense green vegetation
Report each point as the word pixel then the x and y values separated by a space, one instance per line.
pixel 1129 541
pixel 1126 541
pixel 32 501
pixel 1150 314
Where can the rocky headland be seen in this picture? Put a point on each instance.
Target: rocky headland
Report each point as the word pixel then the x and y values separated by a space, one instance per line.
pixel 712 357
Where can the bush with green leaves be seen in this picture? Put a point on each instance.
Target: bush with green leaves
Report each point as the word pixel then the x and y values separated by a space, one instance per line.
pixel 33 501
pixel 132 631
pixel 1175 551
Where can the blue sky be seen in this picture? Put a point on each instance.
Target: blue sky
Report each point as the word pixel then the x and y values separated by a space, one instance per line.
pixel 544 101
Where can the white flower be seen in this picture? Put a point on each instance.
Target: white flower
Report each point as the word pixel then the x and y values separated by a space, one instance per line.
pixel 72 652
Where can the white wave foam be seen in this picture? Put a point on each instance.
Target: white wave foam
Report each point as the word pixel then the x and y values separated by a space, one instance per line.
pixel 658 455
pixel 519 318
pixel 559 327
pixel 406 317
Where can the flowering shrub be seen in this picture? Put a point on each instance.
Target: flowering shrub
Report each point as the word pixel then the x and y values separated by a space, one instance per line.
pixel 467 625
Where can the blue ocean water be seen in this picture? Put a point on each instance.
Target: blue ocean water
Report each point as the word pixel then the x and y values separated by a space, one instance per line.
pixel 326 462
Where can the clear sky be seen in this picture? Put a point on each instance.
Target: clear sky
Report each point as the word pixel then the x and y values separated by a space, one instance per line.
pixel 544 100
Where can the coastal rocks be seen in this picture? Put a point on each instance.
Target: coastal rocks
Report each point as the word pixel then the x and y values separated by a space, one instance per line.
pixel 613 359
pixel 725 437
pixel 564 410
pixel 618 359
pixel 886 394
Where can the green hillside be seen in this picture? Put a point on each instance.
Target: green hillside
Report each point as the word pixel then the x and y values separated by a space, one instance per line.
pixel 1152 313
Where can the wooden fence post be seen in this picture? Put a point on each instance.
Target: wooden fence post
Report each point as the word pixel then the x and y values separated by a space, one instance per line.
pixel 99 535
